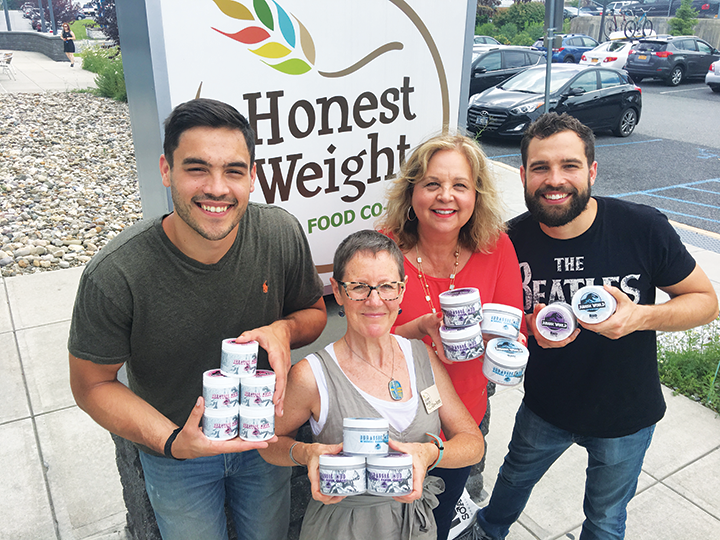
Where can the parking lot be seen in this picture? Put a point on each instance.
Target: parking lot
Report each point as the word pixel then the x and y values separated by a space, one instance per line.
pixel 671 161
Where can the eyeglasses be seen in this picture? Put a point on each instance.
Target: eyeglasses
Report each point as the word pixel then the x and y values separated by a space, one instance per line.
pixel 356 290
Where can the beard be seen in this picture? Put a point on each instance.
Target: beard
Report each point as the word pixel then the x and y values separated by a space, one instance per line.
pixel 553 216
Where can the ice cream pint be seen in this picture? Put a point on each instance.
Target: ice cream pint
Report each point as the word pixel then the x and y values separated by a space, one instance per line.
pixel 500 320
pixel 257 423
pixel 220 391
pixel 238 359
pixel 220 424
pixel 365 436
pixel 257 391
pixel 390 476
pixel 461 307
pixel 593 304
pixel 556 321
pixel 462 344
pixel 342 474
pixel 505 361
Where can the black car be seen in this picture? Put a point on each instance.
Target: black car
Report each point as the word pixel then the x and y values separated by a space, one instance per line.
pixel 670 58
pixel 601 98
pixel 707 9
pixel 493 66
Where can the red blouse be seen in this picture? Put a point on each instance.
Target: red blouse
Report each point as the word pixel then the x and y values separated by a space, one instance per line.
pixel 497 276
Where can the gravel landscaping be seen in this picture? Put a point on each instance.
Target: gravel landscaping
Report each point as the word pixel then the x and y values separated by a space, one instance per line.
pixel 68 182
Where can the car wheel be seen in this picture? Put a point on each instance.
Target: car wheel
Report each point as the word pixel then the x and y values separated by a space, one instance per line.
pixel 675 77
pixel 626 124
pixel 636 78
pixel 569 60
pixel 715 88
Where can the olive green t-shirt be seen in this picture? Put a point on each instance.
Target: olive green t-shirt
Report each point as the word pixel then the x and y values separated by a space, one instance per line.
pixel 142 302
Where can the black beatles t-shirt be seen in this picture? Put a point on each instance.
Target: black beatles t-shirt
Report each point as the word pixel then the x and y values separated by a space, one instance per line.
pixel 597 386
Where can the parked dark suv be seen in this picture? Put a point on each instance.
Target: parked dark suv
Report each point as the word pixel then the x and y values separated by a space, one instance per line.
pixel 670 58
pixel 493 66
pixel 707 9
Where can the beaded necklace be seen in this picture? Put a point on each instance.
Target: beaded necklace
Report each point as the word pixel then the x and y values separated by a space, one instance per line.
pixel 426 287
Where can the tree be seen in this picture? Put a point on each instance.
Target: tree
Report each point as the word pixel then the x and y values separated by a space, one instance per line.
pixel 684 20
pixel 107 19
pixel 485 10
pixel 522 14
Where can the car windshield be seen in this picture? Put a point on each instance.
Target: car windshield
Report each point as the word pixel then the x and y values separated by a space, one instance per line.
pixel 533 81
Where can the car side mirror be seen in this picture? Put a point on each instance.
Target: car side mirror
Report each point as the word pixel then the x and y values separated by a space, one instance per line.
pixel 575 92
pixel 480 70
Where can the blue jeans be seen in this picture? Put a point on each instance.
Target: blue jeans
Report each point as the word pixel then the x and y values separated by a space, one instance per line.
pixel 611 476
pixel 188 497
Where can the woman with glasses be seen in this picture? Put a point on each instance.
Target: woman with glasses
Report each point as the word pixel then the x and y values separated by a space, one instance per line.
pixel 445 213
pixel 370 373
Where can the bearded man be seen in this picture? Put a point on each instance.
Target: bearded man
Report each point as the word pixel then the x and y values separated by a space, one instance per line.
pixel 598 388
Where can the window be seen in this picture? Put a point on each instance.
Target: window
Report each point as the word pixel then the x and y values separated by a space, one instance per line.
pixel 589 42
pixel 490 61
pixel 704 48
pixel 587 81
pixel 609 79
pixel 515 59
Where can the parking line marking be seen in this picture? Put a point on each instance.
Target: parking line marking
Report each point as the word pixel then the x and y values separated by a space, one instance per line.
pixel 675 91
pixel 686 215
pixel 667 187
pixel 626 143
pixel 685 201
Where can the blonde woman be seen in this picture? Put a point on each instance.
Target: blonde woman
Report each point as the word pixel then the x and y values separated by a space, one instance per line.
pixel 445 213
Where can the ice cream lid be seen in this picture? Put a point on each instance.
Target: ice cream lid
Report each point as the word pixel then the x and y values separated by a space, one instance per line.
pixel 370 423
pixel 393 459
pixel 456 297
pixel 341 460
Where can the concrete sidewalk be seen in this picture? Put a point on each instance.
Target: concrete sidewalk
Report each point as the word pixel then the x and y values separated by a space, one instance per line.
pixel 35 72
pixel 58 478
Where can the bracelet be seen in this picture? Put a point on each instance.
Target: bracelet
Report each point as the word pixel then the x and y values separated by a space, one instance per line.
pixel 169 442
pixel 437 442
pixel 291 456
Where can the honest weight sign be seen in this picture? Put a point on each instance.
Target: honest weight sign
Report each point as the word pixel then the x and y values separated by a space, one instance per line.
pixel 338 92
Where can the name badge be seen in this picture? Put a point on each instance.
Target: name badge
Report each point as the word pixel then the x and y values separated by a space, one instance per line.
pixel 431 399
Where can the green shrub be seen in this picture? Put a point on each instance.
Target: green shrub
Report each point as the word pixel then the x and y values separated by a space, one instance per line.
pixel 523 39
pixel 521 15
pixel 487 29
pixel 111 80
pixel 95 58
pixel 687 363
pixel 107 63
pixel 535 31
pixel 684 21
pixel 509 30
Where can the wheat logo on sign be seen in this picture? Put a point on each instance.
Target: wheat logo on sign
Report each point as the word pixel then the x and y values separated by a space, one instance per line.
pixel 284 43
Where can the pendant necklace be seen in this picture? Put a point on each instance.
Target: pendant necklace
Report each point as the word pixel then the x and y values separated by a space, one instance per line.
pixel 394 386
pixel 424 282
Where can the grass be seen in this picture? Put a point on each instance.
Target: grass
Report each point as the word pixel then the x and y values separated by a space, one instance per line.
pixel 688 363
pixel 79 28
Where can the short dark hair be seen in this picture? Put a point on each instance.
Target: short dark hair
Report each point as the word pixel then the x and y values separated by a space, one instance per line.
pixel 203 112
pixel 549 124
pixel 365 241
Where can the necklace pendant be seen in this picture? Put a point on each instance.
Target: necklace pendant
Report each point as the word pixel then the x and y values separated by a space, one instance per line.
pixel 396 391
pixel 452 286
